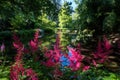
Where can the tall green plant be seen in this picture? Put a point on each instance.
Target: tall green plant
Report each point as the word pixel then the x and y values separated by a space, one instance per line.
pixel 65 20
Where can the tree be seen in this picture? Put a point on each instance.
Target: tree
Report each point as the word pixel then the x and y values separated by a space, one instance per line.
pixel 65 20
pixel 22 14
pixel 98 15
pixel 65 15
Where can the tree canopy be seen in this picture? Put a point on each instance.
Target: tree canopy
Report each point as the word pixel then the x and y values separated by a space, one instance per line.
pixel 23 14
pixel 99 15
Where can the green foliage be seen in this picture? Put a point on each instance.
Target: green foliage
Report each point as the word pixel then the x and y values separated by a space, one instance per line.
pixel 65 20
pixel 98 74
pixel 43 72
pixel 6 37
pixel 98 15
pixel 23 14
pixel 84 36
pixel 65 16
pixel 23 33
pixel 109 22
pixel 4 72
pixel 45 23
pixel 112 76
pixel 18 21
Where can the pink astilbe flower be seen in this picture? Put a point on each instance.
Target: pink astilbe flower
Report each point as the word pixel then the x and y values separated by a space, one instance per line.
pixel 94 63
pixel 17 43
pixel 34 46
pixel 85 68
pixel 78 48
pixel 50 63
pixel 53 58
pixel 34 43
pixel 75 58
pixel 31 74
pixel 16 70
pixel 19 46
pixel 103 50
pixel 53 55
pixel 19 56
pixel 2 48
pixel 107 44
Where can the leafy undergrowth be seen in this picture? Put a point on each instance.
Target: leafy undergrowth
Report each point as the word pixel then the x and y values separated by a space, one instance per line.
pixel 4 72
pixel 91 74
pixel 40 63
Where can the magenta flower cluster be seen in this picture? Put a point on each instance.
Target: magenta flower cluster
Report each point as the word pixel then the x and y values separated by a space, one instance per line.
pixel 74 59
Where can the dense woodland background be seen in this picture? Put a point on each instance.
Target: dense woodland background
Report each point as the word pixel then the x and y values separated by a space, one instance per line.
pixel 101 16
pixel 89 20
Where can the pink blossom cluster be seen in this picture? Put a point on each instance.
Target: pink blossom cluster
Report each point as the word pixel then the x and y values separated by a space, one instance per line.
pixel 17 70
pixel 19 46
pixel 54 57
pixel 103 50
pixel 2 47
pixel 75 58
pixel 34 43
